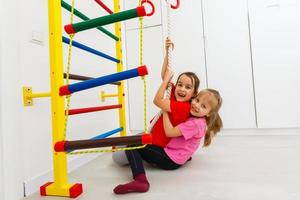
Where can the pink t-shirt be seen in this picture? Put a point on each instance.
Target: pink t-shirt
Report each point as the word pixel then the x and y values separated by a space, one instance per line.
pixel 181 148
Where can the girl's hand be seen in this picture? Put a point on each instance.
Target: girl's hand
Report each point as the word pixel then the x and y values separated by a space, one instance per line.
pixel 168 74
pixel 169 44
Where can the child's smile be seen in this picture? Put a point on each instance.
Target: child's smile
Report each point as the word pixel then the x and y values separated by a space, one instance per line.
pixel 184 89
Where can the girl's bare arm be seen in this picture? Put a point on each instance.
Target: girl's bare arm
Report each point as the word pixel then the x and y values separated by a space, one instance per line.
pixel 159 100
pixel 170 130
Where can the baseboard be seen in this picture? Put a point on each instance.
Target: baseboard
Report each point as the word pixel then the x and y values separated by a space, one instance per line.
pixel 261 131
pixel 251 131
pixel 32 185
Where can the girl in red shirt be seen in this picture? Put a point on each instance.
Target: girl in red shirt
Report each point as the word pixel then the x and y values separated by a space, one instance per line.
pixel 178 106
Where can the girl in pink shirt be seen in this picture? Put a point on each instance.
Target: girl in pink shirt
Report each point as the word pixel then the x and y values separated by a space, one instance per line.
pixel 204 122
pixel 185 137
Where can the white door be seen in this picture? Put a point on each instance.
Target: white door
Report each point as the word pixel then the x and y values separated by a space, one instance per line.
pixel 229 60
pixel 275 31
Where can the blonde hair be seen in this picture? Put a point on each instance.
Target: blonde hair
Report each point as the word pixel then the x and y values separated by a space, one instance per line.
pixel 213 120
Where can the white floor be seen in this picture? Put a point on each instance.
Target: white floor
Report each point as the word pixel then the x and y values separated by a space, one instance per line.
pixel 233 168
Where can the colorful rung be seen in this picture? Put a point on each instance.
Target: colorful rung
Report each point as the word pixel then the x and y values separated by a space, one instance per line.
pixel 104 135
pixel 92 109
pixel 63 146
pixel 84 78
pixel 104 6
pixel 107 134
pixel 108 19
pixel 82 16
pixel 89 49
pixel 76 87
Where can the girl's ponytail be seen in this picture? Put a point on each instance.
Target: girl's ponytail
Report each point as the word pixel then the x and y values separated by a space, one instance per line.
pixel 214 121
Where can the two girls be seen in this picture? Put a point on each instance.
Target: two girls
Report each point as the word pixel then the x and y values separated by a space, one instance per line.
pixel 177 135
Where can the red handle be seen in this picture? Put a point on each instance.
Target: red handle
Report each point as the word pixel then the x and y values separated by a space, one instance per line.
pixel 152 6
pixel 176 6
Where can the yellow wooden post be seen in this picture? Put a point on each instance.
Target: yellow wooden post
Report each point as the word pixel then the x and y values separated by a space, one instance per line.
pixel 60 186
pixel 119 55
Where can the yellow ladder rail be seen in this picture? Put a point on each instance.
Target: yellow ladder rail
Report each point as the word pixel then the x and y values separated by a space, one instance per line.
pixel 119 55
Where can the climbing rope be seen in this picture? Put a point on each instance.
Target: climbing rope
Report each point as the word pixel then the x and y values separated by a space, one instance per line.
pixel 141 27
pixel 105 150
pixel 170 52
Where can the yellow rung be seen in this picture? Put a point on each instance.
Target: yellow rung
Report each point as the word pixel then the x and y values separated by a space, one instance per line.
pixel 28 96
pixel 103 95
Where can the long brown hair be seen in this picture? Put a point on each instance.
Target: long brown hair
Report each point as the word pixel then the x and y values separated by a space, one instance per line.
pixel 213 120
pixel 194 78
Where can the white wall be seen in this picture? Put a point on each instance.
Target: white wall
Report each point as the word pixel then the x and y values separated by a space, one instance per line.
pixel 275 30
pixel 153 54
pixel 1 130
pixel 228 56
pixel 1 137
pixel 34 72
pixel 11 102
pixel 246 49
pixel 205 43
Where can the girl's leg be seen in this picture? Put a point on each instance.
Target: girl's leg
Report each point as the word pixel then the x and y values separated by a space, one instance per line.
pixel 140 182
pixel 119 157
pixel 156 155
pixel 151 154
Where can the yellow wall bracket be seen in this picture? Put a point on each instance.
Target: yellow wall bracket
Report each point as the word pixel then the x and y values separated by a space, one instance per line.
pixel 28 96
pixel 103 95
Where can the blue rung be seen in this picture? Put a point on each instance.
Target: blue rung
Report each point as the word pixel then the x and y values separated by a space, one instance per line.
pixel 89 49
pixel 76 87
pixel 109 133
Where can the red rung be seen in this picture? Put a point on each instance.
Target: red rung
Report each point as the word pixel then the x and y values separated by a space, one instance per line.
pixel 104 6
pixel 93 109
